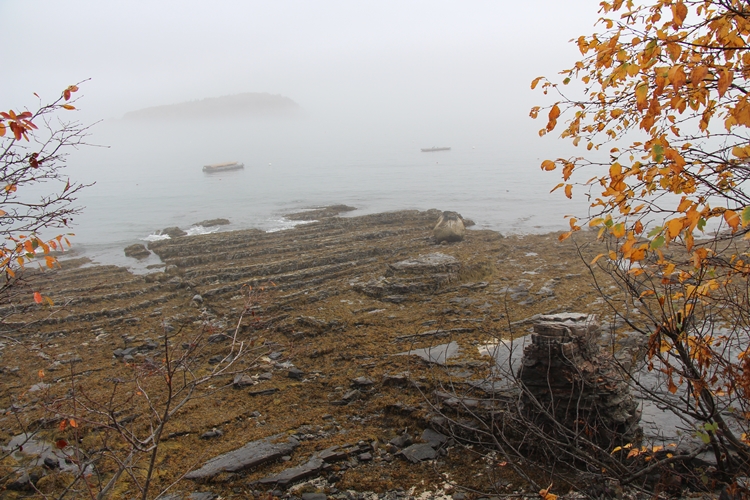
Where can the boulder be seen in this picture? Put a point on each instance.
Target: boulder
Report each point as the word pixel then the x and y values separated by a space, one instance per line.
pixel 173 232
pixel 137 251
pixel 449 228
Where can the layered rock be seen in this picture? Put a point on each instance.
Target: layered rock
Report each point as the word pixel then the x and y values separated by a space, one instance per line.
pixel 567 379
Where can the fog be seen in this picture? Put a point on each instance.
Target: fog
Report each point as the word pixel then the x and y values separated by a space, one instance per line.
pixel 431 68
pixel 376 81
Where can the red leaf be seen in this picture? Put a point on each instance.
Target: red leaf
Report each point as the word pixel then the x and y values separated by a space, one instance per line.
pixel 61 443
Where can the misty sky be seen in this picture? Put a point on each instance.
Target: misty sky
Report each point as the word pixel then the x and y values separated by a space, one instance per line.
pixel 462 62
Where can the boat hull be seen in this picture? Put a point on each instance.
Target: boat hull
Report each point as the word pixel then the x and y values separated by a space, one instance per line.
pixel 223 167
pixel 432 150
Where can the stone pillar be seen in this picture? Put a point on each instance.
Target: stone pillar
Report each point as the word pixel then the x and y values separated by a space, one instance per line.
pixel 567 378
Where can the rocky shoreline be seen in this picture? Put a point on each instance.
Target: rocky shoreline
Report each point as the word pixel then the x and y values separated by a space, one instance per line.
pixel 348 320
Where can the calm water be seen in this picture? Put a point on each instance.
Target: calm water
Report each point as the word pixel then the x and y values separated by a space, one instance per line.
pixel 150 178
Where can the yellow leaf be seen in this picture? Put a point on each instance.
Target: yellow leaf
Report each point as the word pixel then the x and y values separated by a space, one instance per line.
pixel 68 106
pixel 535 82
pixel 569 191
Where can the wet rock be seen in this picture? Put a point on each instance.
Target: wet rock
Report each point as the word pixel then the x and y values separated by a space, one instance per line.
pixel 320 213
pixel 137 251
pixel 419 452
pixel 450 228
pixel 252 454
pixel 212 222
pixel 294 474
pixel 173 232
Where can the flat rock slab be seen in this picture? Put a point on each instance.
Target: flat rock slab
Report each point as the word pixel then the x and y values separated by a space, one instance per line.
pixel 294 474
pixel 437 354
pixel 252 454
pixel 426 264
pixel 418 452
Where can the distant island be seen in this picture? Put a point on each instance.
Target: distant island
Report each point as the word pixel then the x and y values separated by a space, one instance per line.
pixel 247 105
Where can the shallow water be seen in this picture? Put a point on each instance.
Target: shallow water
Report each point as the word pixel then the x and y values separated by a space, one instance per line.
pixel 150 177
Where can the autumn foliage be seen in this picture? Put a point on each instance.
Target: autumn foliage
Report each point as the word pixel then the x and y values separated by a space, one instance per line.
pixel 33 146
pixel 664 119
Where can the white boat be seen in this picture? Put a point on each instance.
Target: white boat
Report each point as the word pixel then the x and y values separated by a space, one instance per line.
pixel 221 167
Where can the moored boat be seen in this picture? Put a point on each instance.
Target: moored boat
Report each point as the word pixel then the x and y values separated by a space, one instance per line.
pixel 221 167
pixel 433 149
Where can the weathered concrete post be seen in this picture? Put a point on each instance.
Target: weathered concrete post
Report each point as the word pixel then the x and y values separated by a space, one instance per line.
pixel 568 379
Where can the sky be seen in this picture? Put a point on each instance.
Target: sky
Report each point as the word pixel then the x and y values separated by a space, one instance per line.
pixel 468 63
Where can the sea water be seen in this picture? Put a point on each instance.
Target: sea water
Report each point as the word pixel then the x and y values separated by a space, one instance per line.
pixel 149 176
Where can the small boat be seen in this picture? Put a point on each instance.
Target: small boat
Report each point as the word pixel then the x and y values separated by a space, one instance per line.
pixel 222 167
pixel 432 150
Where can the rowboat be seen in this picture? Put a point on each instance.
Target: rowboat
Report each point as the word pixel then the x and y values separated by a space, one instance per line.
pixel 432 150
pixel 221 167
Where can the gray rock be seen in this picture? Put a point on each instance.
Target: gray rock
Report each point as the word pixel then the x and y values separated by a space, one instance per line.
pixel 212 222
pixel 137 251
pixel 425 264
pixel 242 380
pixel 213 433
pixel 293 474
pixel 252 454
pixel 296 374
pixel 401 441
pixel 263 392
pixel 450 228
pixel 202 495
pixel 419 452
pixel 173 232
pixel 314 496
pixel 362 382
pixel 434 438
pixel 365 457
pixel 197 298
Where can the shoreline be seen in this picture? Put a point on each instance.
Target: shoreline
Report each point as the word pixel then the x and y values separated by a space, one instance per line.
pixel 329 320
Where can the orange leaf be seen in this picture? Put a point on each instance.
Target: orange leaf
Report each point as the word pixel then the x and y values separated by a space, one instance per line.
pixel 37 297
pixel 679 13
pixel 535 82
pixel 548 165
pixel 68 106
pixel 73 423
pixel 732 219
pixel 63 424
pixel 569 191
